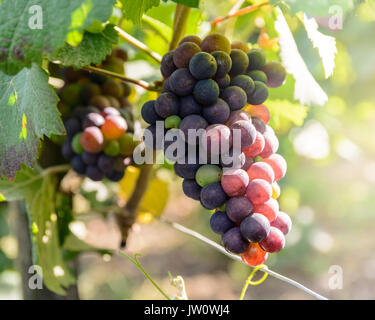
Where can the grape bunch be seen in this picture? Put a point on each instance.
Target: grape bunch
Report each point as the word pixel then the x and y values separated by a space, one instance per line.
pixel 98 121
pixel 219 88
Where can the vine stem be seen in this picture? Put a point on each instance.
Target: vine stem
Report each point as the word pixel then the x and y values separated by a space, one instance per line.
pixel 179 26
pixel 145 85
pixel 237 258
pixel 238 13
pixel 138 44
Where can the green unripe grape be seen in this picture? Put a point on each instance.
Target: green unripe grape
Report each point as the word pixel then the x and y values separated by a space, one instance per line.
pixel 90 90
pixel 172 122
pixel 208 174
pixel 258 75
pixel 127 144
pixel 100 102
pixel 114 102
pixel 113 88
pixel 76 143
pixel 96 27
pixel 112 149
pixel 257 59
pixel 258 159
pixel 71 94
pixel 115 65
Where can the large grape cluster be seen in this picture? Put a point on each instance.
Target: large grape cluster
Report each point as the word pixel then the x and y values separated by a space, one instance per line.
pixel 98 121
pixel 220 88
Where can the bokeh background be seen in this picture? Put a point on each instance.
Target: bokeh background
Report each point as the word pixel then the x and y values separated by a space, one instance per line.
pixel 329 189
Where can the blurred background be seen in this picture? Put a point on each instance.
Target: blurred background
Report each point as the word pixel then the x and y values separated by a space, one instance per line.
pixel 329 189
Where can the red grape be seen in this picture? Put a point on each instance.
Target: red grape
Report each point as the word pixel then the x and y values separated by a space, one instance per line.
pixel 259 191
pixel 256 148
pixel 92 140
pixel 237 115
pixel 114 127
pixel 234 182
pixel 260 111
pixel 283 223
pixel 271 143
pixel 274 242
pixel 261 170
pixel 278 164
pixel 254 255
pixel 269 209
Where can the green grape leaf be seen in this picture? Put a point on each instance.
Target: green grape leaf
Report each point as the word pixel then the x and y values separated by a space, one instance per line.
pixel 28 112
pixel 93 49
pixel 188 3
pixel 306 90
pixel 39 193
pixel 134 9
pixel 320 8
pixel 285 109
pixel 31 29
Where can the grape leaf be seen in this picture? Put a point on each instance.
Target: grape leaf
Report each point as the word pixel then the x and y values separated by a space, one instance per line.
pixel 306 90
pixel 93 49
pixel 32 28
pixel 28 112
pixel 326 45
pixel 293 112
pixel 134 9
pixel 39 193
pixel 320 8
pixel 188 3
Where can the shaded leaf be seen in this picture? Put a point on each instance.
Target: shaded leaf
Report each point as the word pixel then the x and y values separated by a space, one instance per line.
pixel 134 9
pixel 22 124
pixel 188 3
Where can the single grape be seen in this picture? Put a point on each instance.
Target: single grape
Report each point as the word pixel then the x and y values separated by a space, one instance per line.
pixel 269 209
pixel 213 196
pixel 113 88
pixel 191 189
pixel 182 82
pixel 192 122
pixel 110 111
pixel 100 102
pixel 91 159
pixel 259 124
pixel 278 164
pixel 260 111
pixel 261 170
pixel 235 97
pixel 217 139
pixel 223 63
pixel 149 114
pixel 167 86
pixel 167 64
pixel 238 208
pixel 189 106
pixel 220 223
pixel 259 191
pixel 115 176
pixel 72 127
pixel 76 143
pixel 254 255
pixel 241 45
pixel 94 173
pixel 93 120
pixel 234 182
pixel 203 66
pixel 256 148
pixel 67 151
pixel 206 92
pixel 114 127
pixel 114 102
pixel 106 163
pixel 187 167
pixel 71 94
pixel 166 105
pixel 208 174
pixel 237 115
pixel 274 242
pixel 112 148
pixel 275 73
pixel 245 83
pixel 217 113
pixel 192 38
pixel 282 222
pixel 258 75
pixel 240 62
pixel 255 228
pixel 184 53
pixel 172 122
pixel 244 130
pixel 223 82
pixel 259 95
pixel 271 144
pixel 257 59
pixel 78 165
pixel 234 242
pixel 234 159
pixel 127 144
pixel 216 42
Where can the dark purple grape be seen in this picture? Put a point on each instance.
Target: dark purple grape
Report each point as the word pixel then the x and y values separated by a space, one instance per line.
pixel 259 95
pixel 234 242
pixel 115 176
pixel 235 97
pixel 238 208
pixel 192 38
pixel 67 151
pixel 78 165
pixel 258 75
pixel 275 73
pixel 223 62
pixel 167 64
pixel 182 82
pixel 167 105
pixel 91 159
pixel 217 113
pixel 203 66
pixel 153 136
pixel 220 223
pixel 240 62
pixel 255 228
pixel 183 54
pixel 166 86
pixel 187 168
pixel 191 189
pixel 94 173
pixel 247 133
pixel 148 112
pixel 192 122
pixel 257 59
pixel 72 127
pixel 245 83
pixel 223 82
pixel 213 196
pixel 106 163
pixel 189 106
pixel 93 120
pixel 259 124
pixel 206 92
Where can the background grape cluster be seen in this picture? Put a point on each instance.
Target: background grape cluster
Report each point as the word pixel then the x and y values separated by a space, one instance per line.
pixel 98 120
pixel 219 87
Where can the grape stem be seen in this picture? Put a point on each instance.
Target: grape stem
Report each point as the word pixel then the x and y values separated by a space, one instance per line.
pixel 237 258
pixel 181 17
pixel 240 12
pixel 145 85
pixel 138 44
